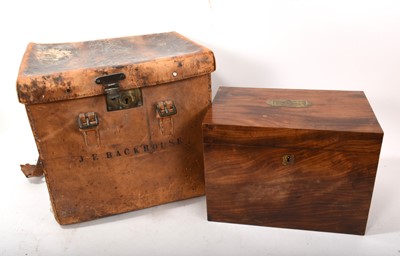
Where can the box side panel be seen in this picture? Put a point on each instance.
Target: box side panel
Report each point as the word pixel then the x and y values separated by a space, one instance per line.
pixel 316 190
pixel 32 123
pixel 125 163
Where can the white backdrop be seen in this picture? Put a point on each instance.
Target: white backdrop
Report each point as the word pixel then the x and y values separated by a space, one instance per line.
pixel 344 45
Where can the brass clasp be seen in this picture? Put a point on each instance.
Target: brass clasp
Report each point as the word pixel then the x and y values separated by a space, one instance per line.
pixel 88 125
pixel 166 108
pixel 116 99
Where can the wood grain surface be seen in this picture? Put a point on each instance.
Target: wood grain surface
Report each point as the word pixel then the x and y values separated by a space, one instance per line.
pixel 347 111
pixel 328 184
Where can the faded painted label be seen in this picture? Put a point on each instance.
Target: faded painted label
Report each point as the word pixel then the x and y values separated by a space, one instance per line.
pixel 133 150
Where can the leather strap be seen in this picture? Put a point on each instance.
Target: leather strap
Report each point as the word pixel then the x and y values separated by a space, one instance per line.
pixel 31 170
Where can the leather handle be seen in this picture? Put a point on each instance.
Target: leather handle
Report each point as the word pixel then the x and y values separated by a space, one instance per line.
pixel 31 170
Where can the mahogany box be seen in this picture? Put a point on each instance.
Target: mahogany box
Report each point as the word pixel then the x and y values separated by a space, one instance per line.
pixel 302 159
pixel 117 122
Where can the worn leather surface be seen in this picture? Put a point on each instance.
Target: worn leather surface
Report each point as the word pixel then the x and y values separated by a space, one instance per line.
pixel 53 72
pixel 134 158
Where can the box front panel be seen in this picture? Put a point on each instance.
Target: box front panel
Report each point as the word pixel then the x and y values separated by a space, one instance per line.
pixel 292 188
pixel 131 160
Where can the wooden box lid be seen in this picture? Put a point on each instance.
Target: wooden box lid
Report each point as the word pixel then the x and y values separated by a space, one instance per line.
pixel 52 72
pixel 341 120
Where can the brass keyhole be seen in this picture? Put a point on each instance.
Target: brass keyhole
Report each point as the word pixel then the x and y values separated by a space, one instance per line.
pixel 126 101
pixel 288 159
pixel 117 100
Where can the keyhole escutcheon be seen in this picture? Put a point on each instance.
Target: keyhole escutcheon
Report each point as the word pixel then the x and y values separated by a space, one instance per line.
pixel 288 159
